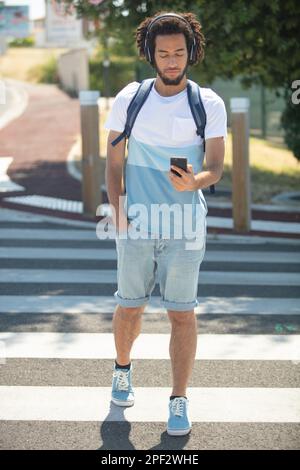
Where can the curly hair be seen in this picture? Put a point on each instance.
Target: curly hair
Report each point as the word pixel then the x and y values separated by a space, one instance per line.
pixel 171 25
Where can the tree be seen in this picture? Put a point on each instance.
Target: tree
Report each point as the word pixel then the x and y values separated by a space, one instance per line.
pixel 290 120
pixel 258 40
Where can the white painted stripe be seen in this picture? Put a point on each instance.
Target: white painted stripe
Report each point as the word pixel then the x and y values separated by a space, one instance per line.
pixel 106 304
pixel 281 207
pixel 47 234
pixel 48 202
pixel 74 156
pixel 108 276
pixel 101 346
pixel 247 405
pixel 222 238
pixel 260 225
pixel 12 215
pixel 111 253
pixel 18 102
pixel 6 184
pixel 59 253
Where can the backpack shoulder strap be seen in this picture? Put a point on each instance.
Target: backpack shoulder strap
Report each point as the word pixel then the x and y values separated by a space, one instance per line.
pixel 198 112
pixel 134 108
pixel 197 108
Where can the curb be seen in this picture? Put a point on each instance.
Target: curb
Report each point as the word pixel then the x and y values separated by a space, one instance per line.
pixel 20 103
pixel 71 165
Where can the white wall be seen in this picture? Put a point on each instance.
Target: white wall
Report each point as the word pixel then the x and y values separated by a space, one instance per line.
pixel 73 70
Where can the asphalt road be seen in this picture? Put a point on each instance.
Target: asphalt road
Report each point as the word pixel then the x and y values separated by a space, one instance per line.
pixel 57 346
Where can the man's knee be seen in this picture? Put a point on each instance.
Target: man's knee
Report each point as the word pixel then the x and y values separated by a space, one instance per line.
pixel 130 311
pixel 181 317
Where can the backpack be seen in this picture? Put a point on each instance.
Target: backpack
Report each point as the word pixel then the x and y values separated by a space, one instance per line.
pixel 195 102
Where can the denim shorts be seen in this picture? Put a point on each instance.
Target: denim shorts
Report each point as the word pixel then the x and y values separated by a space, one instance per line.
pixel 173 263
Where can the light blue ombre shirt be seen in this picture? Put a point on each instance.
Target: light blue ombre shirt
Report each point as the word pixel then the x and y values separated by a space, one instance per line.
pixel 165 128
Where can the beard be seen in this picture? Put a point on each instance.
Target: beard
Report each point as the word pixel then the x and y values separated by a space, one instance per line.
pixel 171 81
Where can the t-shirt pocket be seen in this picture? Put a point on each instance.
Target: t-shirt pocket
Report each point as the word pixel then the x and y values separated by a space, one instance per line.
pixel 183 130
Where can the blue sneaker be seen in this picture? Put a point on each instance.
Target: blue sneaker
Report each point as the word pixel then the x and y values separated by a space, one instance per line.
pixel 122 393
pixel 179 423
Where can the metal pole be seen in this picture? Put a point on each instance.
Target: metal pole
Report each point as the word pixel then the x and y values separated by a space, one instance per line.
pixel 241 195
pixel 91 177
pixel 106 64
pixel 263 111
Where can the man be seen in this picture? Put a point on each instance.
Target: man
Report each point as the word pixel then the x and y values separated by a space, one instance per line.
pixel 164 128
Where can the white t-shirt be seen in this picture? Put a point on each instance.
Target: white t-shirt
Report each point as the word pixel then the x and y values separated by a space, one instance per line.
pixel 163 128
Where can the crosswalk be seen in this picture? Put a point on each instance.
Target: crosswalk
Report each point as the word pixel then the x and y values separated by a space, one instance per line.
pixel 57 348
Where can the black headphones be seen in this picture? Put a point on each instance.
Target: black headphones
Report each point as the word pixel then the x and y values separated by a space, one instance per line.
pixel 192 57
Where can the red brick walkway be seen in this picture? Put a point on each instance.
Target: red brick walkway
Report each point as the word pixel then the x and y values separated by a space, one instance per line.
pixel 40 140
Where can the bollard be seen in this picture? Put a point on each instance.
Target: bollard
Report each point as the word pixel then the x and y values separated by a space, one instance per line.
pixel 91 178
pixel 241 195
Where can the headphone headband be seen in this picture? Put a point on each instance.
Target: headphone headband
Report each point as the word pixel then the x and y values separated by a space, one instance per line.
pixel 168 15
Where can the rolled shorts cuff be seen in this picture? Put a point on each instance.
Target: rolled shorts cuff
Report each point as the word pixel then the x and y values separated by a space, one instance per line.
pixel 130 302
pixel 180 306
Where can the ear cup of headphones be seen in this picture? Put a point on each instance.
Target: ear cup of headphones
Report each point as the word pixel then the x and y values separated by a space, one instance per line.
pixel 149 58
pixel 147 50
pixel 192 55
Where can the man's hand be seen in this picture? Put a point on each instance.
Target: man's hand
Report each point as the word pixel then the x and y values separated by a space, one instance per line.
pixel 186 182
pixel 123 227
pixel 122 224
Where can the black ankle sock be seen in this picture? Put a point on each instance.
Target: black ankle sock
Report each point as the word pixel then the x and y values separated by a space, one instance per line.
pixel 122 367
pixel 175 396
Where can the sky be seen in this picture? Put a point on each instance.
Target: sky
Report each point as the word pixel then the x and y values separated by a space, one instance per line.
pixel 36 7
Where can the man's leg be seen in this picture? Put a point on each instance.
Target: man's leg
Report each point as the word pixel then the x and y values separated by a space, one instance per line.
pixel 127 323
pixel 183 345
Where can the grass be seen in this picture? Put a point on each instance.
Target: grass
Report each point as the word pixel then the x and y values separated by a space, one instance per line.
pixel 273 169
pixel 44 73
pixel 19 62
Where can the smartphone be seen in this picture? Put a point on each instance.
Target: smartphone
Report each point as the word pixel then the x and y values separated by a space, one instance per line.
pixel 181 162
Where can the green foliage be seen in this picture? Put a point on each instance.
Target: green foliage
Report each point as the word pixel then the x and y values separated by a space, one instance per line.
pixel 119 75
pixel 257 40
pixel 22 42
pixel 45 73
pixel 290 121
pixel 121 71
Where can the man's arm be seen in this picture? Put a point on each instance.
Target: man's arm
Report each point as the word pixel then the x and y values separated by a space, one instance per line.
pixel 214 155
pixel 114 178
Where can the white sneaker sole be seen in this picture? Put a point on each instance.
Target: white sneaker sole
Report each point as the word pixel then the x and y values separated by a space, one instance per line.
pixel 178 432
pixel 122 403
